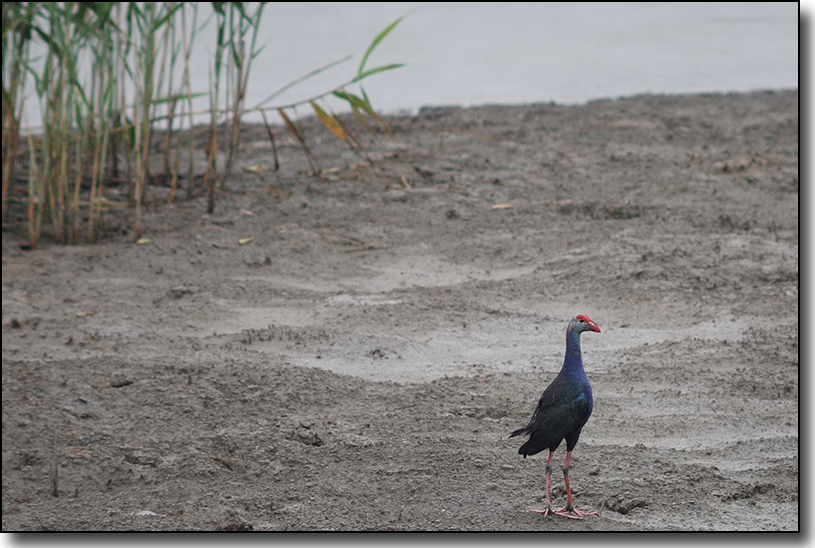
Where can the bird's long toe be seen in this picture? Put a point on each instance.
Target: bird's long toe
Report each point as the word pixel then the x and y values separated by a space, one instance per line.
pixel 573 513
pixel 544 511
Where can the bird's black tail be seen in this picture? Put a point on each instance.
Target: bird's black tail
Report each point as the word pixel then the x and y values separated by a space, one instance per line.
pixel 520 432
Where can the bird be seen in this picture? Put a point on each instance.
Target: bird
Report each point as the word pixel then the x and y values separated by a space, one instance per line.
pixel 563 410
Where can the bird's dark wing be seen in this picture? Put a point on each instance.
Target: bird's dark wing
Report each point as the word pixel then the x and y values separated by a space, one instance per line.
pixel 562 409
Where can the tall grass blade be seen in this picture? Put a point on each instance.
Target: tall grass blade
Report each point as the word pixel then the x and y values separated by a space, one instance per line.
pixel 379 37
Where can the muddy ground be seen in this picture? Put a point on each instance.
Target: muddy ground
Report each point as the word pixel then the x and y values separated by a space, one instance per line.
pixel 359 364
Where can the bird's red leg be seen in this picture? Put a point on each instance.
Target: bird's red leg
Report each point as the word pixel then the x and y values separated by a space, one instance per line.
pixel 548 510
pixel 569 511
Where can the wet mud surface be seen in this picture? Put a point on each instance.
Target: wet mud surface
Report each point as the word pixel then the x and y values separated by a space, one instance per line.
pixel 360 362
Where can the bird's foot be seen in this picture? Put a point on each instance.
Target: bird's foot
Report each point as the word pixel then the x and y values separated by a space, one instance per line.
pixel 545 512
pixel 573 513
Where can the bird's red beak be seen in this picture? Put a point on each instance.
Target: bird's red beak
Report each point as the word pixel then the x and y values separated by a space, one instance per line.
pixel 591 325
pixel 594 327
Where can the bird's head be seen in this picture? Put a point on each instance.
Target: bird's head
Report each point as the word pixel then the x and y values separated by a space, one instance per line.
pixel 583 323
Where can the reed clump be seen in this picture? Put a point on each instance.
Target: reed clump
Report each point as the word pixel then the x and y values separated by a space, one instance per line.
pixel 104 75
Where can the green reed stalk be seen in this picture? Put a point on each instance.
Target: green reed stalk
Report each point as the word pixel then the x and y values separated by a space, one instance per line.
pixel 149 22
pixel 187 43
pixel 241 65
pixel 104 87
pixel 214 102
pixel 17 33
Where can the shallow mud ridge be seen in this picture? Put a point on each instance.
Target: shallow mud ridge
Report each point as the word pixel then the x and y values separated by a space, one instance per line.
pixel 360 363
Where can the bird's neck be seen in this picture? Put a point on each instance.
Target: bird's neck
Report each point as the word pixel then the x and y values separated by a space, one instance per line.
pixel 573 362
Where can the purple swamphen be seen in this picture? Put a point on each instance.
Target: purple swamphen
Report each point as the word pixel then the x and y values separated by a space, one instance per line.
pixel 563 409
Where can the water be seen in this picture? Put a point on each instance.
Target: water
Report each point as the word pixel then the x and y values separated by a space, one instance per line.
pixel 514 53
